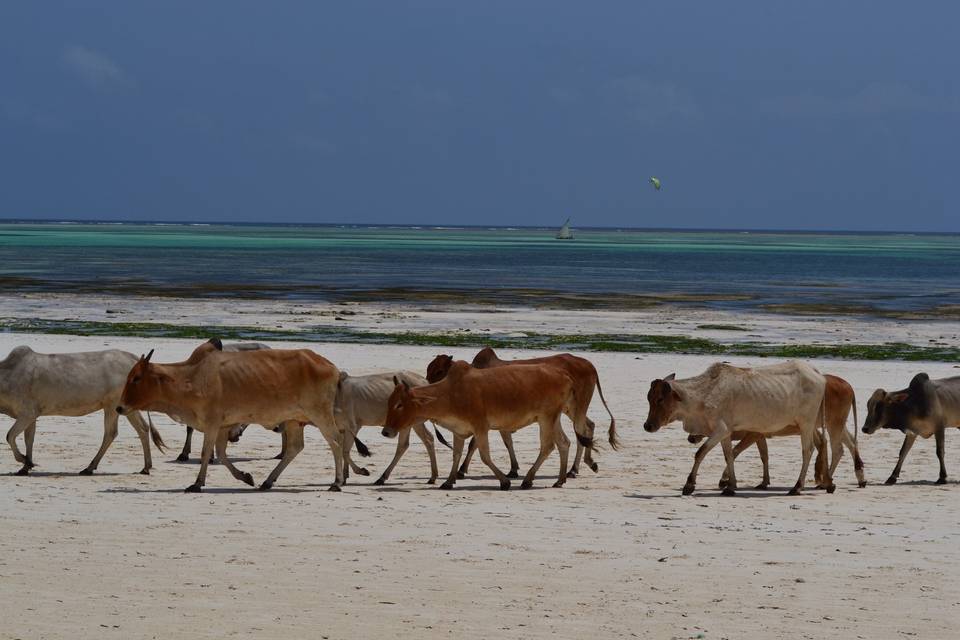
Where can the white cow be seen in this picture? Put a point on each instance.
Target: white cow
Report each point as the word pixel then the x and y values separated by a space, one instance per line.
pixel 68 384
pixel 725 399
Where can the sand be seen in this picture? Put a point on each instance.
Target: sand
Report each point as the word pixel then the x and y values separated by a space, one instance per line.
pixel 616 554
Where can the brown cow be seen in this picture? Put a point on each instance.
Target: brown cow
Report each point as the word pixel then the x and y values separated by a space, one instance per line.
pixel 585 379
pixel 214 391
pixel 473 402
pixel 839 399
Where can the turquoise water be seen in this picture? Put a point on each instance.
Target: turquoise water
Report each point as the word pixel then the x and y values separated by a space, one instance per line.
pixel 882 272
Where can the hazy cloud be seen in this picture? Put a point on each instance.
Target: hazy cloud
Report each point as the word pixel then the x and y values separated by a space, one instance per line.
pixel 873 99
pixel 93 68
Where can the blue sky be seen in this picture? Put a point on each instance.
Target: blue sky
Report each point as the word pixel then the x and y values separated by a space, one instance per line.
pixel 832 115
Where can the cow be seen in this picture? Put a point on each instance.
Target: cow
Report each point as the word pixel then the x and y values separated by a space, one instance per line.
pixel 235 432
pixel 585 378
pixel 839 399
pixel 925 408
pixel 362 402
pixel 726 399
pixel 214 391
pixel 68 384
pixel 472 402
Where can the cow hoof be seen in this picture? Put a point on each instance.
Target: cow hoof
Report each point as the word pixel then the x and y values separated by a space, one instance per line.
pixel 794 492
pixel 558 484
pixel 526 484
pixel 248 479
pixel 941 481
pixel 728 491
pixel 183 457
pixel 447 485
pixel 762 486
pixel 194 488
pixel 23 471
pixel 363 471
pixel 722 484
pixel 334 487
pixel 461 475
pixel 432 481
pixel 87 472
pixel 891 480
pixel 381 481
pixel 279 456
pixel 514 473
pixel 504 485
pixel 594 467
pixel 266 486
pixel 831 488
pixel 688 489
pixel 144 472
pixel 862 484
pixel 571 474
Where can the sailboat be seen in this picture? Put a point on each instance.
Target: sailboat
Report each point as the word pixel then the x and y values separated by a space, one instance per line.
pixel 565 233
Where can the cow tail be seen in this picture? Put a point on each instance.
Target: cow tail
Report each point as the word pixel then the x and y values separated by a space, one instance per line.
pixel 856 430
pixel 154 434
pixel 440 437
pixel 612 431
pixel 361 448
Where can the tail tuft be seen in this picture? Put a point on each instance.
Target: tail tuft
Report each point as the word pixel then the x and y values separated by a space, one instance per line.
pixel 155 435
pixel 585 441
pixel 361 448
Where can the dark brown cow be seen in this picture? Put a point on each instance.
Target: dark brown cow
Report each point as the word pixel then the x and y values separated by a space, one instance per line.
pixel 580 370
pixel 473 402
pixel 214 391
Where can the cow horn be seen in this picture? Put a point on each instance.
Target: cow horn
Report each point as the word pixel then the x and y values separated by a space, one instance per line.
pixel 672 376
pixel 149 355
pixel 396 382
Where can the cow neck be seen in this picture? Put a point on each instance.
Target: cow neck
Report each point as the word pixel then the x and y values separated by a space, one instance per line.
pixel 180 383
pixel 437 396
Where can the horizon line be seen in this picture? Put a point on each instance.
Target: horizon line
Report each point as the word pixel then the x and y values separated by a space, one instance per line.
pixel 408 225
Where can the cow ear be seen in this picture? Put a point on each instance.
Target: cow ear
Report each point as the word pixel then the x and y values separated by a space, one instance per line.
pixel 406 386
pixel 918 381
pixel 898 397
pixel 670 377
pixel 217 343
pixel 149 355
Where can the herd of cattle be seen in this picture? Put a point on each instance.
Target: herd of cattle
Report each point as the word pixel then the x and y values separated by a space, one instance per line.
pixel 221 389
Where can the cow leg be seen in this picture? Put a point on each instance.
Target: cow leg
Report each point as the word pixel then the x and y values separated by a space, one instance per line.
pixel 904 450
pixel 28 437
pixel 293 445
pixel 940 434
pixel 807 444
pixel 855 454
pixel 457 452
pixel 702 452
pixel 588 458
pixel 334 437
pixel 740 447
pixel 283 445
pixel 563 448
pixel 821 464
pixel 731 488
pixel 222 439
pixel 403 442
pixel 185 454
pixel 19 426
pixel 143 432
pixel 111 420
pixel 514 465
pixel 546 446
pixel 483 446
pixel 471 449
pixel 427 439
pixel 349 434
pixel 836 450
pixel 765 460
pixel 206 452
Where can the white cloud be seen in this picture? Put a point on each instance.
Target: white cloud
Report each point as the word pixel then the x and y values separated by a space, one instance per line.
pixel 93 68
pixel 873 99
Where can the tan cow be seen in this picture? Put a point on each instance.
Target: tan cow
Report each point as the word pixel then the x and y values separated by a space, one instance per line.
pixel 214 391
pixel 580 370
pixel 839 398
pixel 473 402
pixel 726 399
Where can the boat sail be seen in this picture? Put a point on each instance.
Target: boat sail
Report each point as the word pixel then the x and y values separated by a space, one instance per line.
pixel 565 233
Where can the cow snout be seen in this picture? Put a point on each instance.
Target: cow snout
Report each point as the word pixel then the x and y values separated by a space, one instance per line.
pixel 120 409
pixel 387 432
pixel 650 426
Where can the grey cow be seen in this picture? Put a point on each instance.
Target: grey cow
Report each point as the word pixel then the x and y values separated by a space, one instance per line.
pixel 68 384
pixel 925 408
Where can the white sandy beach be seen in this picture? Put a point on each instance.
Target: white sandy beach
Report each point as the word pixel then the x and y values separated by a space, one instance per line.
pixel 616 554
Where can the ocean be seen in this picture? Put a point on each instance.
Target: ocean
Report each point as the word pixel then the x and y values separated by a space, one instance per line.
pixel 853 273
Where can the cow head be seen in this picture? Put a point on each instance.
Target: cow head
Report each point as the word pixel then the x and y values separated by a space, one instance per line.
pixel 438 368
pixel 142 385
pixel 402 409
pixel 886 411
pixel 663 399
